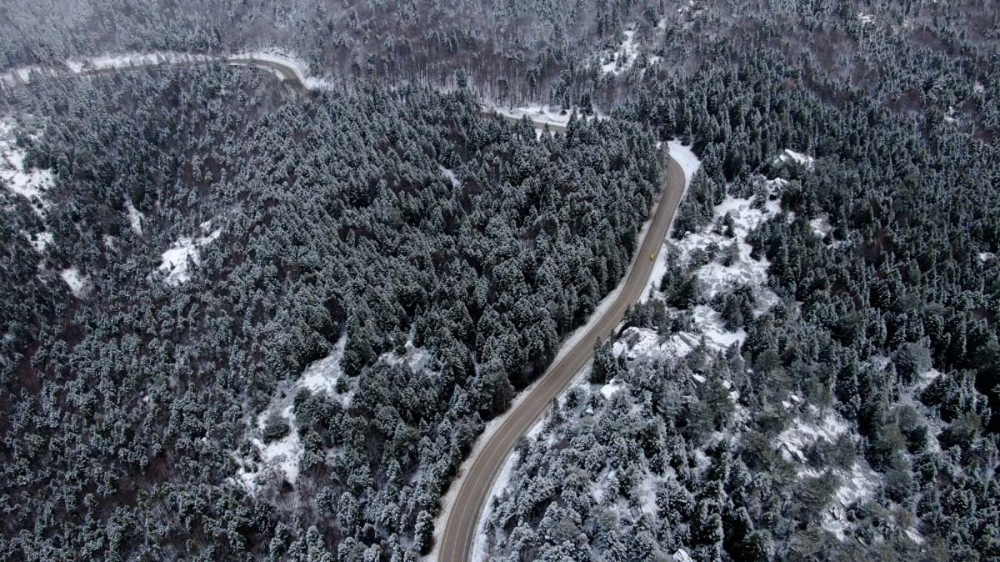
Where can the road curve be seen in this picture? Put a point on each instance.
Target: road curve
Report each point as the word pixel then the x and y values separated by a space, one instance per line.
pixel 475 485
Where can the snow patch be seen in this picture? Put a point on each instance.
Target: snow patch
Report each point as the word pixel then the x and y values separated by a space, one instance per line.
pixel 611 388
pixel 135 218
pixel 857 485
pixel 77 283
pixel 40 241
pixel 790 155
pixel 283 455
pixel 682 556
pixel 623 57
pixel 801 435
pixel 743 270
pixel 178 257
pixel 821 226
pixel 277 456
pixel 322 375
pixel 415 357
pixel 450 174
pixel 29 183
pixel 925 379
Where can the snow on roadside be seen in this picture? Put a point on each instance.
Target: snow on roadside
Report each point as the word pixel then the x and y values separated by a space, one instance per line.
pixel 106 62
pixel 133 60
pixel 448 500
pixel 177 258
pixel 685 158
pixel 689 164
pixel 288 60
pixel 500 485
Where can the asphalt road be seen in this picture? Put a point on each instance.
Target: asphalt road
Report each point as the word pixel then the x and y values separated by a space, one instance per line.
pixel 475 485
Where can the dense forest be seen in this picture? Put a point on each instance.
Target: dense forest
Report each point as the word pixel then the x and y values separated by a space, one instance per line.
pixel 388 216
pixel 856 416
pixel 179 245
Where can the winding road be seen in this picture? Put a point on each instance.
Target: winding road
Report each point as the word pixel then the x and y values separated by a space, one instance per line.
pixel 475 484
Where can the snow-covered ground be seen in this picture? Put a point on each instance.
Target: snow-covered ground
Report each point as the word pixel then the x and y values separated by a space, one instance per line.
pixel 135 218
pixel 646 344
pixel 283 455
pixel 77 283
pixel 288 60
pixel 821 226
pixel 618 60
pixel 126 60
pixel 622 58
pixel 40 241
pixel 857 483
pixel 131 60
pixel 30 183
pixel 322 375
pixel 541 114
pixel 790 155
pixel 178 257
pixel 689 164
pixel 415 357
pixel 450 174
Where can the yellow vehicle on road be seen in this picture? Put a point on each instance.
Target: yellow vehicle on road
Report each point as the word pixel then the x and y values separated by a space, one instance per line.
pixel 652 257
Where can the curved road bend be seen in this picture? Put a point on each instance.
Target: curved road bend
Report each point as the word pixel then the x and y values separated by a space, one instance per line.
pixel 475 486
